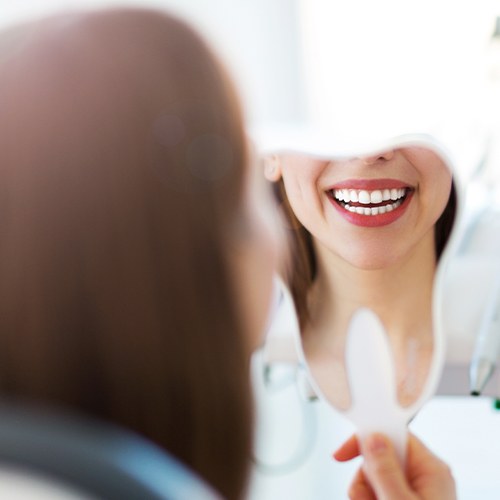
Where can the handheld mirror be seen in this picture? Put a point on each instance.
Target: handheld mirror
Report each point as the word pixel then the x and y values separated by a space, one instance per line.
pixel 367 234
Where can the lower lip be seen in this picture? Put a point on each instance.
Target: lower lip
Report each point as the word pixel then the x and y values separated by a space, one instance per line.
pixel 373 220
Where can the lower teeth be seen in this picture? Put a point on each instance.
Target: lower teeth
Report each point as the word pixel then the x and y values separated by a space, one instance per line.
pixel 374 210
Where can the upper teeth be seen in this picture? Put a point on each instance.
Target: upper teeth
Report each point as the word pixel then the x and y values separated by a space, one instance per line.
pixel 367 197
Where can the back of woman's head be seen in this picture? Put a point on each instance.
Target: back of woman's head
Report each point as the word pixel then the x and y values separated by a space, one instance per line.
pixel 122 158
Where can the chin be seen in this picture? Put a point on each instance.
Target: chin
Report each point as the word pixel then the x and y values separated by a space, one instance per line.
pixel 373 261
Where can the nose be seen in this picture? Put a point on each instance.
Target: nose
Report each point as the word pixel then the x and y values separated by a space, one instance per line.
pixel 384 156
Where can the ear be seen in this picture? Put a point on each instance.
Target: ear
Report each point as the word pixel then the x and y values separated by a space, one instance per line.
pixel 272 168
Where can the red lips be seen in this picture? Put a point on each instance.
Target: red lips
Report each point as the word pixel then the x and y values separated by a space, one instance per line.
pixel 349 210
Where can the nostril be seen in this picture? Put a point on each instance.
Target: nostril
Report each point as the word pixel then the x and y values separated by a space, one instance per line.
pixel 384 156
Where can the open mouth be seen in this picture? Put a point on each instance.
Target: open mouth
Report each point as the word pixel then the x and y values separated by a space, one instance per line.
pixel 370 203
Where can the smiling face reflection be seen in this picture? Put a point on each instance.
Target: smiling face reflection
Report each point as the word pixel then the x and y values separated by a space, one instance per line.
pixel 370 211
pixel 371 226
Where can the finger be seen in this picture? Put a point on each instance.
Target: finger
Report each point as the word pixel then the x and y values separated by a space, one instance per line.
pixel 425 470
pixel 360 488
pixel 348 450
pixel 383 469
pixel 419 456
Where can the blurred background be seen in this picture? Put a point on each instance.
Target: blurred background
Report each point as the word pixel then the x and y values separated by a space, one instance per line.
pixel 354 65
pixel 361 66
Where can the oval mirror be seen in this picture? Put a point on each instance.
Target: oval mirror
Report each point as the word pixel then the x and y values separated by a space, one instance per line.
pixel 367 233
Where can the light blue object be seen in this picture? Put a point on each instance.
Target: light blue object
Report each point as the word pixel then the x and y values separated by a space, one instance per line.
pixel 94 458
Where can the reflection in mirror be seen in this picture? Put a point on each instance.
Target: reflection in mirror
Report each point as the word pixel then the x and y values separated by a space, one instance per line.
pixel 365 231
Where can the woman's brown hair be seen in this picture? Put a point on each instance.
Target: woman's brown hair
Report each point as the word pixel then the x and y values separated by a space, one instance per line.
pixel 300 271
pixel 122 157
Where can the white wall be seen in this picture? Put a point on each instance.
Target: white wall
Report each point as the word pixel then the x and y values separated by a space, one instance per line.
pixel 256 38
pixel 390 66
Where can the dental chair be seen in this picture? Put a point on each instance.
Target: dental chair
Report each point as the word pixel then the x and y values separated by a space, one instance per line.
pixel 48 455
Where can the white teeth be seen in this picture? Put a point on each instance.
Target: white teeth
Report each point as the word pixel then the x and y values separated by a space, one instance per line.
pixel 366 197
pixel 373 210
pixel 376 197
pixel 394 197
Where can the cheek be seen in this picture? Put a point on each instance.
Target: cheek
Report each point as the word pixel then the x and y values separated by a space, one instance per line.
pixel 304 201
pixel 293 188
pixel 436 180
pixel 300 178
pixel 439 194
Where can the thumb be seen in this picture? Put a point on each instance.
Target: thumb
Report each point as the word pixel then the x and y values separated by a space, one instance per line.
pixel 383 469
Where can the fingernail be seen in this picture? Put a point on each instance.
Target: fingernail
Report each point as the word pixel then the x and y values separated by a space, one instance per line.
pixel 376 444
